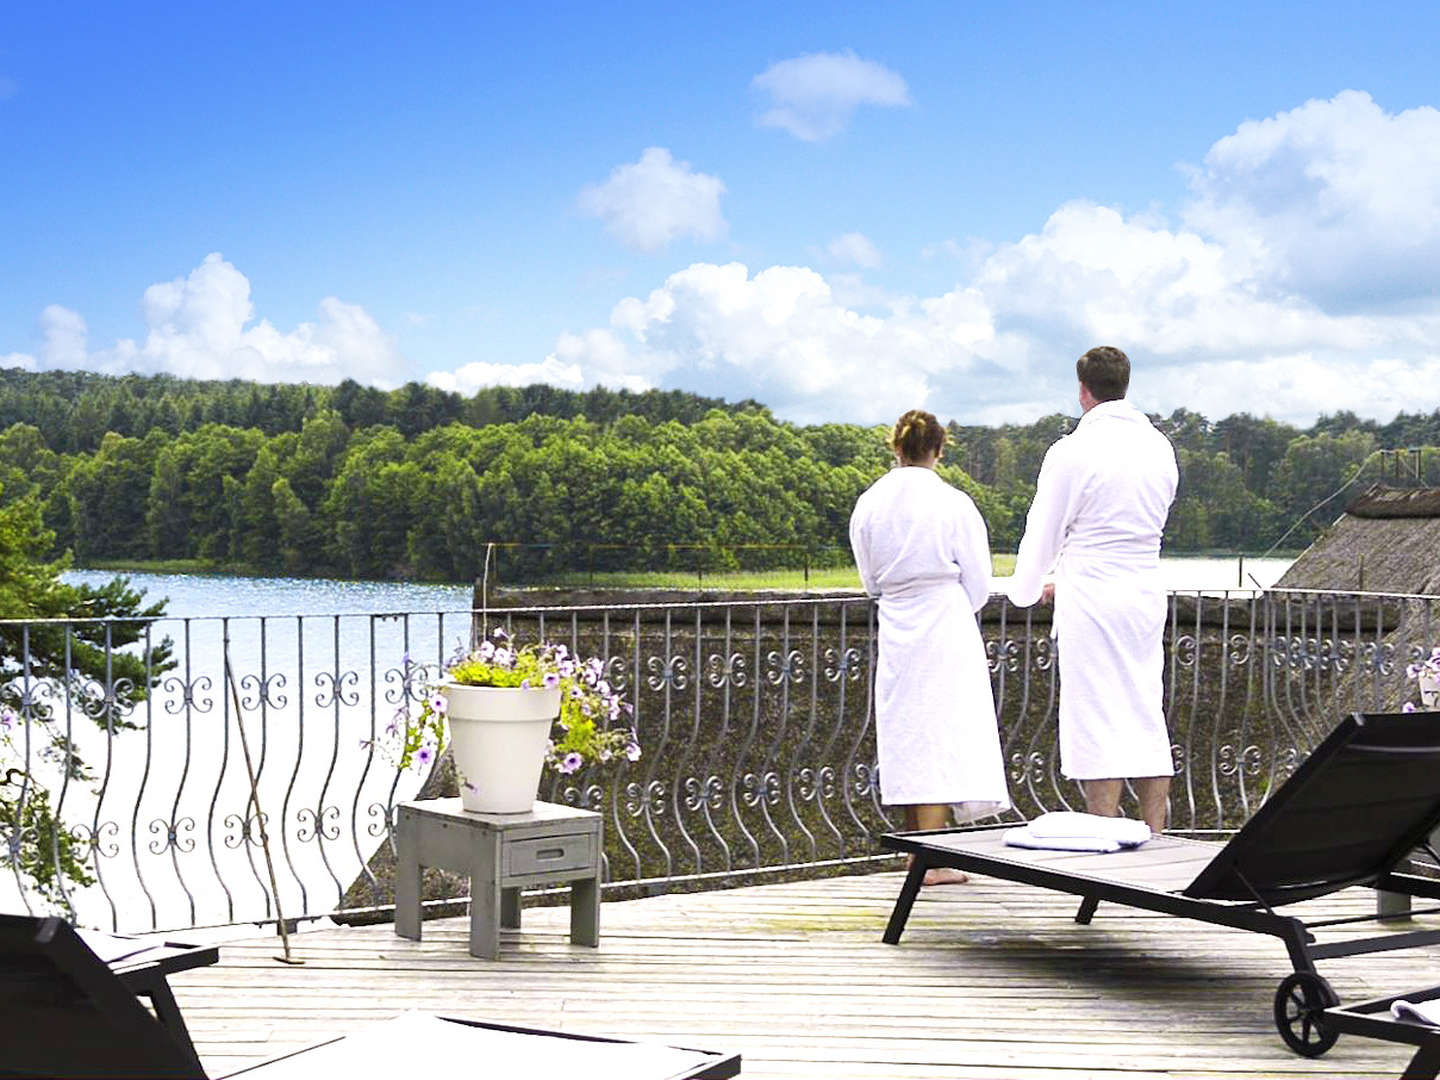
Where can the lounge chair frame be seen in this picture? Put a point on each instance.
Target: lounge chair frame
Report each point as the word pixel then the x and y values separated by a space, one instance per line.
pixel 1354 811
pixel 65 1013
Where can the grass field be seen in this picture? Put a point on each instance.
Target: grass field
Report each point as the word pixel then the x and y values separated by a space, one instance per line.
pixel 822 578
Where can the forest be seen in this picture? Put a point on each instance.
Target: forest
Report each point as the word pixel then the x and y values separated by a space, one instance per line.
pixel 357 482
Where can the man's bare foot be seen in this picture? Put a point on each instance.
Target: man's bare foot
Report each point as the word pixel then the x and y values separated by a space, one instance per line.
pixel 945 875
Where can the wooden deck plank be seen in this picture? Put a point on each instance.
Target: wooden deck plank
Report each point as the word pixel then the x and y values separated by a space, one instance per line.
pixel 993 979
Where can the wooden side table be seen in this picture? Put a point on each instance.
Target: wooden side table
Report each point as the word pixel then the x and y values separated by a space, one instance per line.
pixel 502 853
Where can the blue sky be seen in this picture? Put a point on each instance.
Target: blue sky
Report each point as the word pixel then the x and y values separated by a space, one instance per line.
pixel 842 211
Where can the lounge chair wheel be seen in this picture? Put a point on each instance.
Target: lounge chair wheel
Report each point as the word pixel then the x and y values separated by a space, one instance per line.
pixel 1298 1003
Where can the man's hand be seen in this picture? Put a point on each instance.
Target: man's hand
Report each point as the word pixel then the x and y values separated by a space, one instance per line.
pixel 1047 594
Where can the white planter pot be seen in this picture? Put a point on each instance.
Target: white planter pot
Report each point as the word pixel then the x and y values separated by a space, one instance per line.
pixel 1429 691
pixel 498 736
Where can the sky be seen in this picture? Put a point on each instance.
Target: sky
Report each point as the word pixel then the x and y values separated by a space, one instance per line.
pixel 840 210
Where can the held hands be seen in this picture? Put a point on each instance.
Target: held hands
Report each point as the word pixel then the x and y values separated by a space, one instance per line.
pixel 1004 584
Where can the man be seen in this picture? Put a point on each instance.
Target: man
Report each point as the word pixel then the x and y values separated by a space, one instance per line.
pixel 1100 506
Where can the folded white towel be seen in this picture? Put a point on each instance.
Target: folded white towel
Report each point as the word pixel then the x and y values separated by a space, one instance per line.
pixel 1421 1012
pixel 1023 837
pixel 1065 823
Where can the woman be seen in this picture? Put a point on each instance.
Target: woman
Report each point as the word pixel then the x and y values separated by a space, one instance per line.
pixel 924 554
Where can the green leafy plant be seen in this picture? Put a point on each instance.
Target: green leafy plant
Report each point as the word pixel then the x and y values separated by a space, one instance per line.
pixel 593 726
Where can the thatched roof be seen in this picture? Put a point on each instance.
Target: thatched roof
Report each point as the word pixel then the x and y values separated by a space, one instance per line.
pixel 1378 501
pixel 1388 540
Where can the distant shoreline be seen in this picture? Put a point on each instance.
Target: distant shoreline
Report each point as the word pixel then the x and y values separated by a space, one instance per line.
pixel 843 577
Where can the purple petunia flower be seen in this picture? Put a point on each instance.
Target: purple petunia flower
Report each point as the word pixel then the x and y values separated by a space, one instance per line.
pixel 552 679
pixel 561 652
pixel 1409 706
pixel 632 751
pixel 499 634
pixel 504 658
pixel 571 762
pixel 439 703
pixel 423 755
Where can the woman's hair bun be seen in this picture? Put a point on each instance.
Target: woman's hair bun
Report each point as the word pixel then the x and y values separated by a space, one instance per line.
pixel 917 435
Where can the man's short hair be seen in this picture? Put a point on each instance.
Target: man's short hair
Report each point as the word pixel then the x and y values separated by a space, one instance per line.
pixel 1105 372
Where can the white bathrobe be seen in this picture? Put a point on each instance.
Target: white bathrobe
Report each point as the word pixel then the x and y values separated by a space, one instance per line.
pixel 1100 506
pixel 923 552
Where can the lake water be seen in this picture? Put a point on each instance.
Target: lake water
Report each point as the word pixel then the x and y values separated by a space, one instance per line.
pixel 212 595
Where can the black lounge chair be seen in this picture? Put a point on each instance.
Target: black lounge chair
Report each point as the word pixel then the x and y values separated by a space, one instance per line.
pixel 1353 812
pixel 65 1013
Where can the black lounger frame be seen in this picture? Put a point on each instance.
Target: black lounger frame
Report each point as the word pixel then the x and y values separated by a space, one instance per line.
pixel 1374 768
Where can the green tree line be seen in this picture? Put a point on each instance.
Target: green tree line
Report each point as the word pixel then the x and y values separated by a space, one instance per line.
pixel 103 661
pixel 364 483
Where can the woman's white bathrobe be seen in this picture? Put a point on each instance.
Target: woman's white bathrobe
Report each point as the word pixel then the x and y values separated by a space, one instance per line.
pixel 1100 506
pixel 923 552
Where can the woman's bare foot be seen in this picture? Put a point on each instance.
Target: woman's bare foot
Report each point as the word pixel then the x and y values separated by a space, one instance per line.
pixel 945 875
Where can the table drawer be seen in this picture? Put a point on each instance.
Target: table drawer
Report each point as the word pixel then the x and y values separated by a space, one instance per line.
pixel 547 854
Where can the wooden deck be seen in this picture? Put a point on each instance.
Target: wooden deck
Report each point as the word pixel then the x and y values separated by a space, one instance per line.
pixel 992 980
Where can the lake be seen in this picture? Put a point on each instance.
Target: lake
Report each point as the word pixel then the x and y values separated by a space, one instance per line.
pixel 211 595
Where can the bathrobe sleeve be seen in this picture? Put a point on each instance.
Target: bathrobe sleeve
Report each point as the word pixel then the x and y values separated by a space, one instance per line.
pixel 859 519
pixel 1057 495
pixel 972 553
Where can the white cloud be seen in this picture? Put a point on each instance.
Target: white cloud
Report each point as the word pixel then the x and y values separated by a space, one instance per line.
pixel 65 337
pixel 1091 273
pixel 23 361
pixel 197 328
pixel 782 336
pixel 855 249
pixel 653 201
pixel 813 96
pixel 1297 280
pixel 473 376
pixel 1336 200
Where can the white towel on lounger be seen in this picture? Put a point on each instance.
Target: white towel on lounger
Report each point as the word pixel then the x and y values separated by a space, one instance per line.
pixel 1068 830
pixel 1421 1012
pixel 1021 837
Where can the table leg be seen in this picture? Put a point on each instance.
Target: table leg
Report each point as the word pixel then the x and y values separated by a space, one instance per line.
pixel 485 899
pixel 585 911
pixel 407 879
pixel 510 908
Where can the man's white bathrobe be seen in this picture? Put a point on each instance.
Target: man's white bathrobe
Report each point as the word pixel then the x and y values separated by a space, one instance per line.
pixel 923 552
pixel 1100 506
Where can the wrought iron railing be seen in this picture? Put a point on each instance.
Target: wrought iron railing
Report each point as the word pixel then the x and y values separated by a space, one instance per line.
pixel 135 810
